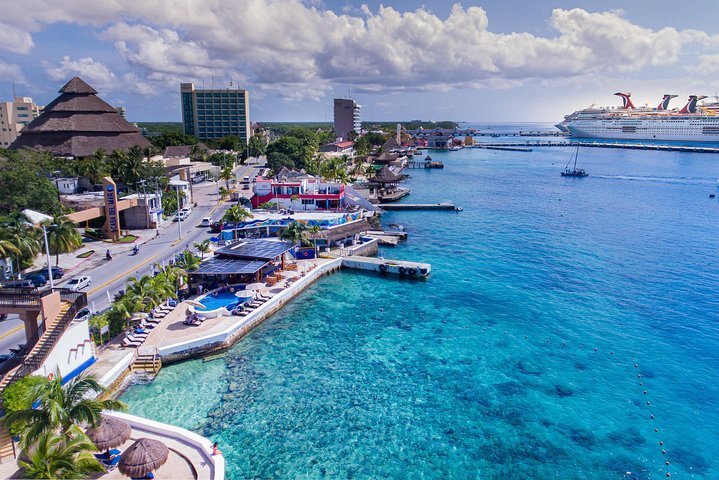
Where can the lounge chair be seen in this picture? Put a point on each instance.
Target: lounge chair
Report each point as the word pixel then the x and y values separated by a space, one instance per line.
pixel 109 455
pixel 112 463
pixel 165 308
pixel 149 476
pixel 152 321
pixel 158 313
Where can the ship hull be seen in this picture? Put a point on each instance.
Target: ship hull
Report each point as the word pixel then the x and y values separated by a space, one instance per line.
pixel 702 129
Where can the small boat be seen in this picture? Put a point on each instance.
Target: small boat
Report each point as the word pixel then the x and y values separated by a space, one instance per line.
pixel 454 149
pixel 574 172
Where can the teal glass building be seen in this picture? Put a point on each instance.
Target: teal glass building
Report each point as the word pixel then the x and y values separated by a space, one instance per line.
pixel 210 114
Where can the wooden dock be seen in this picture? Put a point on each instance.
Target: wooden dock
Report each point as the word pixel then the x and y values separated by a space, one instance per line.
pixel 402 268
pixel 418 206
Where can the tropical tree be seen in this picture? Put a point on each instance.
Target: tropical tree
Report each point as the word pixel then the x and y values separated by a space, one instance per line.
pixel 188 261
pixel 148 292
pixel 60 456
pixel 236 214
pixel 7 249
pixel 203 247
pixel 224 193
pixel 60 408
pixel 62 237
pixel 95 166
pixel 226 174
pixel 297 233
pixel 256 146
pixel 24 237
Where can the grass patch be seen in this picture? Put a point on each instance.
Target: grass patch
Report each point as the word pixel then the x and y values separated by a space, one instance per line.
pixel 128 239
pixel 86 254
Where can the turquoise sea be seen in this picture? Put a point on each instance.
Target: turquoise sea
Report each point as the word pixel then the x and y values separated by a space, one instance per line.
pixel 569 330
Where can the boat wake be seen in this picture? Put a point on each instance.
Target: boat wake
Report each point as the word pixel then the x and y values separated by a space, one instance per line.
pixel 654 179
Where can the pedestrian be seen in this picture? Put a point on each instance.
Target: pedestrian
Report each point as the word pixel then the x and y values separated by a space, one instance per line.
pixel 215 450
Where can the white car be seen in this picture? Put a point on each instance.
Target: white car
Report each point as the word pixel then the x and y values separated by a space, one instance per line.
pixel 180 216
pixel 78 283
pixel 206 222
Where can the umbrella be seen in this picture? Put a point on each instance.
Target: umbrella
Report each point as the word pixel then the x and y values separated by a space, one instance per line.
pixel 109 433
pixel 195 303
pixel 142 457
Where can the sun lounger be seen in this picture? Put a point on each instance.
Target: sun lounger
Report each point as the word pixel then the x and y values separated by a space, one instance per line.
pixel 112 463
pixel 127 343
pixel 158 314
pixel 164 308
pixel 152 321
pixel 108 455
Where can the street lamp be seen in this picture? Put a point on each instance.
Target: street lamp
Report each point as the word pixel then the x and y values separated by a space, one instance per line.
pixel 179 217
pixel 47 253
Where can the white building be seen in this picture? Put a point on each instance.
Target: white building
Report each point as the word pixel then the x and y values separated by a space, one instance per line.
pixel 66 186
pixel 14 116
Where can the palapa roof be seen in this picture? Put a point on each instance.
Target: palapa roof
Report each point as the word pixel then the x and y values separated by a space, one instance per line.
pixel 77 123
pixel 343 231
pixel 109 433
pixel 391 144
pixel 386 175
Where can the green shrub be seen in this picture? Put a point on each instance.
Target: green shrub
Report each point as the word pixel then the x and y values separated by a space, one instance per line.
pixel 16 396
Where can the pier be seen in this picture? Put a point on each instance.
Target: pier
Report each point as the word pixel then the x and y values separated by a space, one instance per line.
pixel 419 206
pixel 402 268
pixel 508 149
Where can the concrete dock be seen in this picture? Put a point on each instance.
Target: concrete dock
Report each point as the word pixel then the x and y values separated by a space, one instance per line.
pixel 402 268
pixel 418 206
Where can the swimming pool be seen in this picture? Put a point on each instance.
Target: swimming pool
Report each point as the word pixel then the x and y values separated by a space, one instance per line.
pixel 225 299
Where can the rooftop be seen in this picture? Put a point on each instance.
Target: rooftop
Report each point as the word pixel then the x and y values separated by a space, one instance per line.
pixel 253 249
pixel 229 266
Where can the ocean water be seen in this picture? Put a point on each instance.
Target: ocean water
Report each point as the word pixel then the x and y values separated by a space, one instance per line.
pixel 569 326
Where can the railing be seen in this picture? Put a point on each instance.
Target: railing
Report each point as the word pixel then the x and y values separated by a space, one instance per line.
pixel 19 297
pixel 49 339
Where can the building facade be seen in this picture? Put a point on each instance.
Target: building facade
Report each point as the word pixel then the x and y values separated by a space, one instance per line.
pixel 14 116
pixel 209 114
pixel 347 118
pixel 303 194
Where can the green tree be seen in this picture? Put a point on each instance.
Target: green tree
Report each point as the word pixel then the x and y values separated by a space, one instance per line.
pixel 203 247
pixel 236 214
pixel 60 456
pixel 62 237
pixel 60 408
pixel 298 233
pixel 172 138
pixel 188 261
pixel 227 174
pixel 24 182
pixel 256 146
pixel 94 167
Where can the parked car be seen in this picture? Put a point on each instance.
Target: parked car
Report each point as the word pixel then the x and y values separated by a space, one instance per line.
pixel 180 216
pixel 38 279
pixel 187 210
pixel 206 222
pixel 57 272
pixel 83 314
pixel 216 227
pixel 25 284
pixel 78 283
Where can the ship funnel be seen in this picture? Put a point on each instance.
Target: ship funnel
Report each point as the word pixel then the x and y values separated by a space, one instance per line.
pixel 691 106
pixel 627 102
pixel 664 104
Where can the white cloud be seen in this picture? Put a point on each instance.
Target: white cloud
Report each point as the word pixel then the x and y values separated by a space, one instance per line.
pixel 14 40
pixel 91 70
pixel 11 72
pixel 297 48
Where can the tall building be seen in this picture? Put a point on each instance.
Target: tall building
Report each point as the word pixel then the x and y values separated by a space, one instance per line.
pixel 14 116
pixel 209 114
pixel 77 123
pixel 347 117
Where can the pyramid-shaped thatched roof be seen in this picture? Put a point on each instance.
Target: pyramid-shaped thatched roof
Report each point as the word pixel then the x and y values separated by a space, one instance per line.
pixel 77 123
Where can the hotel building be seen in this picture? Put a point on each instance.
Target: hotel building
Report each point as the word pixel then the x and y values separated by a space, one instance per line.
pixel 14 116
pixel 303 194
pixel 347 117
pixel 209 114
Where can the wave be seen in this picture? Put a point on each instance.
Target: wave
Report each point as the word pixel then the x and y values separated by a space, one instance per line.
pixel 656 179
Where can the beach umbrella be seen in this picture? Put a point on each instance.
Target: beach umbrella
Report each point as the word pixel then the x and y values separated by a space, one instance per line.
pixel 142 457
pixel 109 433
pixel 194 303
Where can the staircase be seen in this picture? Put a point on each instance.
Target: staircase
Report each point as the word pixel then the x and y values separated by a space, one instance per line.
pixel 7 447
pixel 148 363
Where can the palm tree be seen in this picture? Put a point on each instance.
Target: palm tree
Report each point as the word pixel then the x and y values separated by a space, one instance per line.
pixel 60 408
pixel 60 456
pixel 23 237
pixel 226 175
pixel 95 167
pixel 145 293
pixel 7 248
pixel 203 247
pixel 62 237
pixel 236 214
pixel 224 192
pixel 297 233
pixel 188 261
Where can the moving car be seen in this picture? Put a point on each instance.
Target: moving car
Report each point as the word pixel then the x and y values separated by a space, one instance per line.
pixel 206 222
pixel 216 227
pixel 180 216
pixel 78 283
pixel 83 314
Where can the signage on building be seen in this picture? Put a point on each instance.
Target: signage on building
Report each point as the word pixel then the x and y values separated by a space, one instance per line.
pixel 112 216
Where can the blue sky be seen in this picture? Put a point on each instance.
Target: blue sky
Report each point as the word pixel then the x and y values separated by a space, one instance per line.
pixel 490 61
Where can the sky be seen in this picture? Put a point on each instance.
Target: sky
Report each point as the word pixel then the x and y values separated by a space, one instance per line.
pixel 474 61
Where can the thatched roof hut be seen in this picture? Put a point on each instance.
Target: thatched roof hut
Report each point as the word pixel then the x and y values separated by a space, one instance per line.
pixel 77 123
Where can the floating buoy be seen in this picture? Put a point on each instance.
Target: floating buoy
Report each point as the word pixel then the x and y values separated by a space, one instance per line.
pixel 645 392
pixel 656 430
pixel 651 416
pixel 664 452
pixel 667 462
pixel 563 344
pixel 636 365
pixel 641 383
pixel 649 403
pixel 661 443
pixel 526 336
pixel 611 353
pixel 595 349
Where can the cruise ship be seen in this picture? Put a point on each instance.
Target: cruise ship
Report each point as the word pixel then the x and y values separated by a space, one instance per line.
pixel 693 123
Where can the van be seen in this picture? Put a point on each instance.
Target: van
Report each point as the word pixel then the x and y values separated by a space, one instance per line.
pixel 246 179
